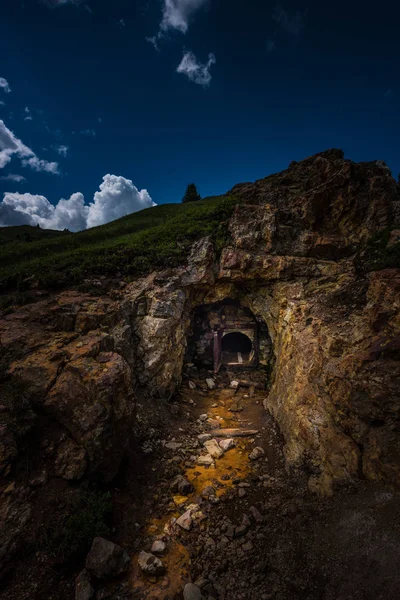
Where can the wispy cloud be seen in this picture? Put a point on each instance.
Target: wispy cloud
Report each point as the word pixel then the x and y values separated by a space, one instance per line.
pixel 28 115
pixel 4 85
pixel 13 177
pixel 196 71
pixel 58 3
pixel 176 15
pixel 87 132
pixel 62 150
pixel 11 146
pixel 293 22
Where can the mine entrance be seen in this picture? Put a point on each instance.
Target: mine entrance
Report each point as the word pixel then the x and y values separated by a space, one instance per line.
pixel 227 334
pixel 236 348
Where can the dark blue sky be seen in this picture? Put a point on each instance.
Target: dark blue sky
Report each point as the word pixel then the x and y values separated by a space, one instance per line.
pixel 289 80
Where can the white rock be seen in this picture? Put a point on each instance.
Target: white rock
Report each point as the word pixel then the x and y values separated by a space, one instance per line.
pixel 213 448
pixel 234 384
pixel 210 383
pixel 158 547
pixel 150 564
pixel 227 444
pixel 205 461
pixel 185 521
pixel 192 385
pixel 203 417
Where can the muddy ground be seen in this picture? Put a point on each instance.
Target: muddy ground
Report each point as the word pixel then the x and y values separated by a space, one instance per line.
pixel 256 533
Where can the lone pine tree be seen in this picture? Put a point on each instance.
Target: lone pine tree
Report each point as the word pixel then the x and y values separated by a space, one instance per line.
pixel 191 194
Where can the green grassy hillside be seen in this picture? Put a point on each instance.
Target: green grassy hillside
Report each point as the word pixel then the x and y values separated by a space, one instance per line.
pixel 26 233
pixel 134 245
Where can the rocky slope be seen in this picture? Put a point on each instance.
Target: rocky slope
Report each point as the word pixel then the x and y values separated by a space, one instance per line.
pixel 297 257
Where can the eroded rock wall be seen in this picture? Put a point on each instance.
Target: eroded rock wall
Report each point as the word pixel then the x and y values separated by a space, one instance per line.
pixel 291 261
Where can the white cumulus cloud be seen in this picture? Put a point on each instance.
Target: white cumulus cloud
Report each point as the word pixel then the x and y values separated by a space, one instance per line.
pixel 28 116
pixel 4 85
pixel 195 70
pixel 117 197
pixel 11 146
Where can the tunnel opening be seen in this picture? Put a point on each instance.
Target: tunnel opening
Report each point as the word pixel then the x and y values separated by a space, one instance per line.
pixel 236 348
pixel 226 334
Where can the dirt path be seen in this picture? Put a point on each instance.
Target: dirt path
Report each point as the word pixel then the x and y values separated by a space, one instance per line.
pixel 255 531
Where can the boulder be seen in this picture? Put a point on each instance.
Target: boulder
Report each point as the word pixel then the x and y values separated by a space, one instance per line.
pixel 181 485
pixel 185 521
pixel 106 559
pixel 158 547
pixel 227 444
pixel 83 587
pixel 205 461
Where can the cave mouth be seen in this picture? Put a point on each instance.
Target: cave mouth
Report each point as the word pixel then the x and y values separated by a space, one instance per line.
pixel 236 348
pixel 227 334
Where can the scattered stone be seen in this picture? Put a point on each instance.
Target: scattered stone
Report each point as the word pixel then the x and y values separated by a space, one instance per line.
pixel 191 592
pixel 203 437
pixel 244 484
pixel 241 492
pixel 150 564
pixel 234 384
pixel 241 530
pixel 236 407
pixel 213 448
pixel 256 453
pixel 210 383
pixel 83 587
pixel 208 491
pixel 158 547
pixel 192 385
pixel 172 445
pixel 246 521
pixel 227 444
pixel 181 485
pixel 106 559
pixel 205 461
pixel 247 547
pixel 257 516
pixel 185 521
pixel 203 417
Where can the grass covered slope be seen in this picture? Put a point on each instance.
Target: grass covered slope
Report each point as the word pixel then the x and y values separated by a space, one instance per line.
pixel 134 245
pixel 26 233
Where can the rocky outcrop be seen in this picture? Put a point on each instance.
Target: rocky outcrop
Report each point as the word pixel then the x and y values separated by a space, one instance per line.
pixel 293 259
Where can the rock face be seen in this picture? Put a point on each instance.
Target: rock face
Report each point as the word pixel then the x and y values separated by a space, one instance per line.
pixel 295 260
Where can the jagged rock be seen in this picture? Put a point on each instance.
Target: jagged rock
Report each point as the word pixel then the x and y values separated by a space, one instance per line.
pixel 158 547
pixel 83 587
pixel 227 444
pixel 181 485
pixel 213 448
pixel 210 383
pixel 70 461
pixel 150 564
pixel 191 592
pixel 106 559
pixel 255 513
pixel 94 401
pixel 256 453
pixel 185 521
